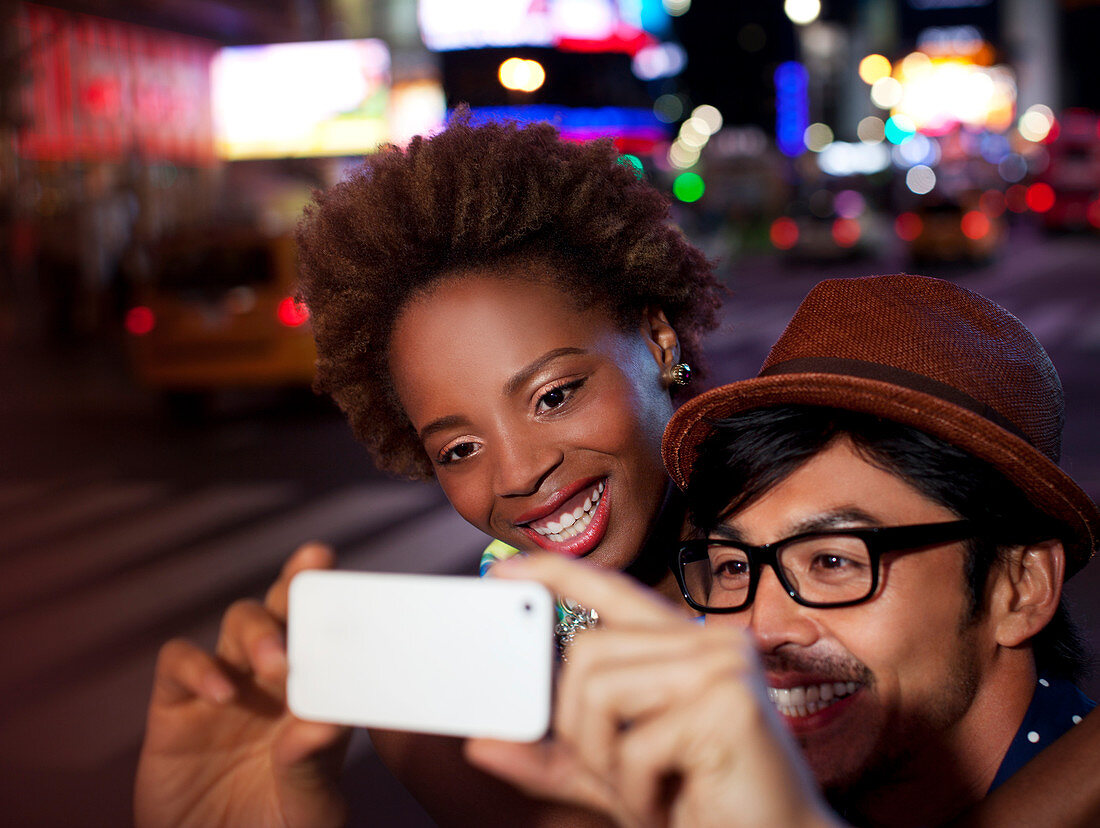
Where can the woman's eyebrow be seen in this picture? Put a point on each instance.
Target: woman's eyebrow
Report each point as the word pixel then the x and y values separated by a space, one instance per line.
pixel 523 375
pixel 450 421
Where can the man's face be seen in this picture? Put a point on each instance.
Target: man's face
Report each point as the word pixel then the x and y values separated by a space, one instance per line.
pixel 890 677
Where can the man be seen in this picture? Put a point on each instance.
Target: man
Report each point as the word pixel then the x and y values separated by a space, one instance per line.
pixel 882 513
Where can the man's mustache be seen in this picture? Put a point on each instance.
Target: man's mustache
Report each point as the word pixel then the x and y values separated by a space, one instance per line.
pixel 834 666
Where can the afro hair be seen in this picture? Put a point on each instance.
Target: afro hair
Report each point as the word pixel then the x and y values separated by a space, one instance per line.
pixel 471 197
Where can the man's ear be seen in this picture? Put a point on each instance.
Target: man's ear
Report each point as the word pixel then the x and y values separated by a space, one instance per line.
pixel 661 340
pixel 1026 590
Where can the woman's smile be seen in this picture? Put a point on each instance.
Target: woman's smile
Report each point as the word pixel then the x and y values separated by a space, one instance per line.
pixel 573 522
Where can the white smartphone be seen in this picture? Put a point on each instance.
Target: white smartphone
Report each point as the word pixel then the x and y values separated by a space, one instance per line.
pixel 451 655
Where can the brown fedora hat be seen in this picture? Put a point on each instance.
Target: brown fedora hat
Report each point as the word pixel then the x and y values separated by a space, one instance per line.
pixel 926 353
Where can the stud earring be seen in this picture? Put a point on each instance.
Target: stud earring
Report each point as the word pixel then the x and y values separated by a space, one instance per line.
pixel 680 373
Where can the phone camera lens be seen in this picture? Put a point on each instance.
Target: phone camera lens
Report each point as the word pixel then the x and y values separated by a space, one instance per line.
pixel 527 606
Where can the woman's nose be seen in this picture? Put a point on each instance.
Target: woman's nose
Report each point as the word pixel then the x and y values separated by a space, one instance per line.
pixel 522 464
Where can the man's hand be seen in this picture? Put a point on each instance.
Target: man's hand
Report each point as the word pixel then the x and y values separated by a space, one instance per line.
pixel 220 747
pixel 660 721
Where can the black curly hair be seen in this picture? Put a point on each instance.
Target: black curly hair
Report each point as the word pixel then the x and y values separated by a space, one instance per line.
pixel 475 198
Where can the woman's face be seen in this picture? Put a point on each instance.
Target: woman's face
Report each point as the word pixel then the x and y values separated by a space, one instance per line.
pixel 543 420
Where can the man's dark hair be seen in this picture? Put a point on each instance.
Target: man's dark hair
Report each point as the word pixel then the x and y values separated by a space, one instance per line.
pixel 750 453
pixel 494 197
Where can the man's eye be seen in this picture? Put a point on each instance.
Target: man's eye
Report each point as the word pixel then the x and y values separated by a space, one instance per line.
pixel 557 396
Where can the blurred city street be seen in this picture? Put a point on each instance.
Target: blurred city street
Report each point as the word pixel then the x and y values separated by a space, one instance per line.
pixel 160 451
pixel 123 528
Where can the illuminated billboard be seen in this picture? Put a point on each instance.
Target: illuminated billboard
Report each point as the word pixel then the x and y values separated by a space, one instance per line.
pixel 327 98
pixel 98 89
pixel 569 25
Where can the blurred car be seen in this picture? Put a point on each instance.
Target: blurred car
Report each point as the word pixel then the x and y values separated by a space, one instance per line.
pixel 1073 174
pixel 218 313
pixel 803 236
pixel 949 231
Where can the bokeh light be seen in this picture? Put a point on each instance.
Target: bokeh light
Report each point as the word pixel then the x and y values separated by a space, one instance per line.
pixel 140 320
pixel 668 108
pixel 908 226
pixel 992 203
pixel 920 179
pixel 1093 214
pixel 802 12
pixel 521 75
pixel 846 232
pixel 1040 197
pixel 899 128
pixel 817 137
pixel 784 233
pixel 975 225
pixel 634 163
pixel 676 7
pixel 886 93
pixel 708 115
pixel 873 68
pixel 681 156
pixel 871 130
pixel 1012 167
pixel 688 187
pixel 849 204
pixel 291 312
pixel 1036 123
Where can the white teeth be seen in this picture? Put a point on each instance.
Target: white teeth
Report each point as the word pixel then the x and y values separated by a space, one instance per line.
pixel 794 702
pixel 570 524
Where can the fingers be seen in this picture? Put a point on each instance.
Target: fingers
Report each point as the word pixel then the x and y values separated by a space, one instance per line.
pixel 253 642
pixel 308 556
pixel 184 672
pixel 547 770
pixel 615 679
pixel 620 601
pixel 303 742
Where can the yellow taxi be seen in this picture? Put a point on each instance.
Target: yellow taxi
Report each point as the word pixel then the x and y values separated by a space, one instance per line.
pixel 218 312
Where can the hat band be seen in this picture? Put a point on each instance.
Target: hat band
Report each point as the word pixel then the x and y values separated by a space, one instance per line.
pixel 894 376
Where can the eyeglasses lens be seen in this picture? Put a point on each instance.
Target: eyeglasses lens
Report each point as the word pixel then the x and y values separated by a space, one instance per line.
pixel 821 569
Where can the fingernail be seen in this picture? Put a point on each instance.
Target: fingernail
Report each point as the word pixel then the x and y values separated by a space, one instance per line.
pixel 270 655
pixel 217 688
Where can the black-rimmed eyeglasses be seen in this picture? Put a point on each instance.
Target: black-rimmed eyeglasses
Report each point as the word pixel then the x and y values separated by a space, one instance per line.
pixel 828 568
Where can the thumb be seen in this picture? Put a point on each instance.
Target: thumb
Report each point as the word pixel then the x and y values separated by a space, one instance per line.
pixel 306 761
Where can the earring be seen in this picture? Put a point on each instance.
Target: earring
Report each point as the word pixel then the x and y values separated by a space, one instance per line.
pixel 680 373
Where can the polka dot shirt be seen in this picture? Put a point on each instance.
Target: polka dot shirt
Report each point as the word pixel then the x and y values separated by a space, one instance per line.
pixel 1056 706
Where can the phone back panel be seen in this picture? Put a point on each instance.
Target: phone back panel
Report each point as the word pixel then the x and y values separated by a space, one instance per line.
pixel 437 654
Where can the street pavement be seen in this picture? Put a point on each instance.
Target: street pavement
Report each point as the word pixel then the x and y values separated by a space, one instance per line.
pixel 121 530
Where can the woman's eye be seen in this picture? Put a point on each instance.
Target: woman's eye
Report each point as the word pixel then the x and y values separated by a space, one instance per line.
pixel 557 396
pixel 458 451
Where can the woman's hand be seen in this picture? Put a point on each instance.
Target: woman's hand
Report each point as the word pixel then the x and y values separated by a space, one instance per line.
pixel 220 747
pixel 660 721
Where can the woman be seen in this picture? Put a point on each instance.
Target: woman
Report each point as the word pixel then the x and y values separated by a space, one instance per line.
pixel 502 311
pixel 506 312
